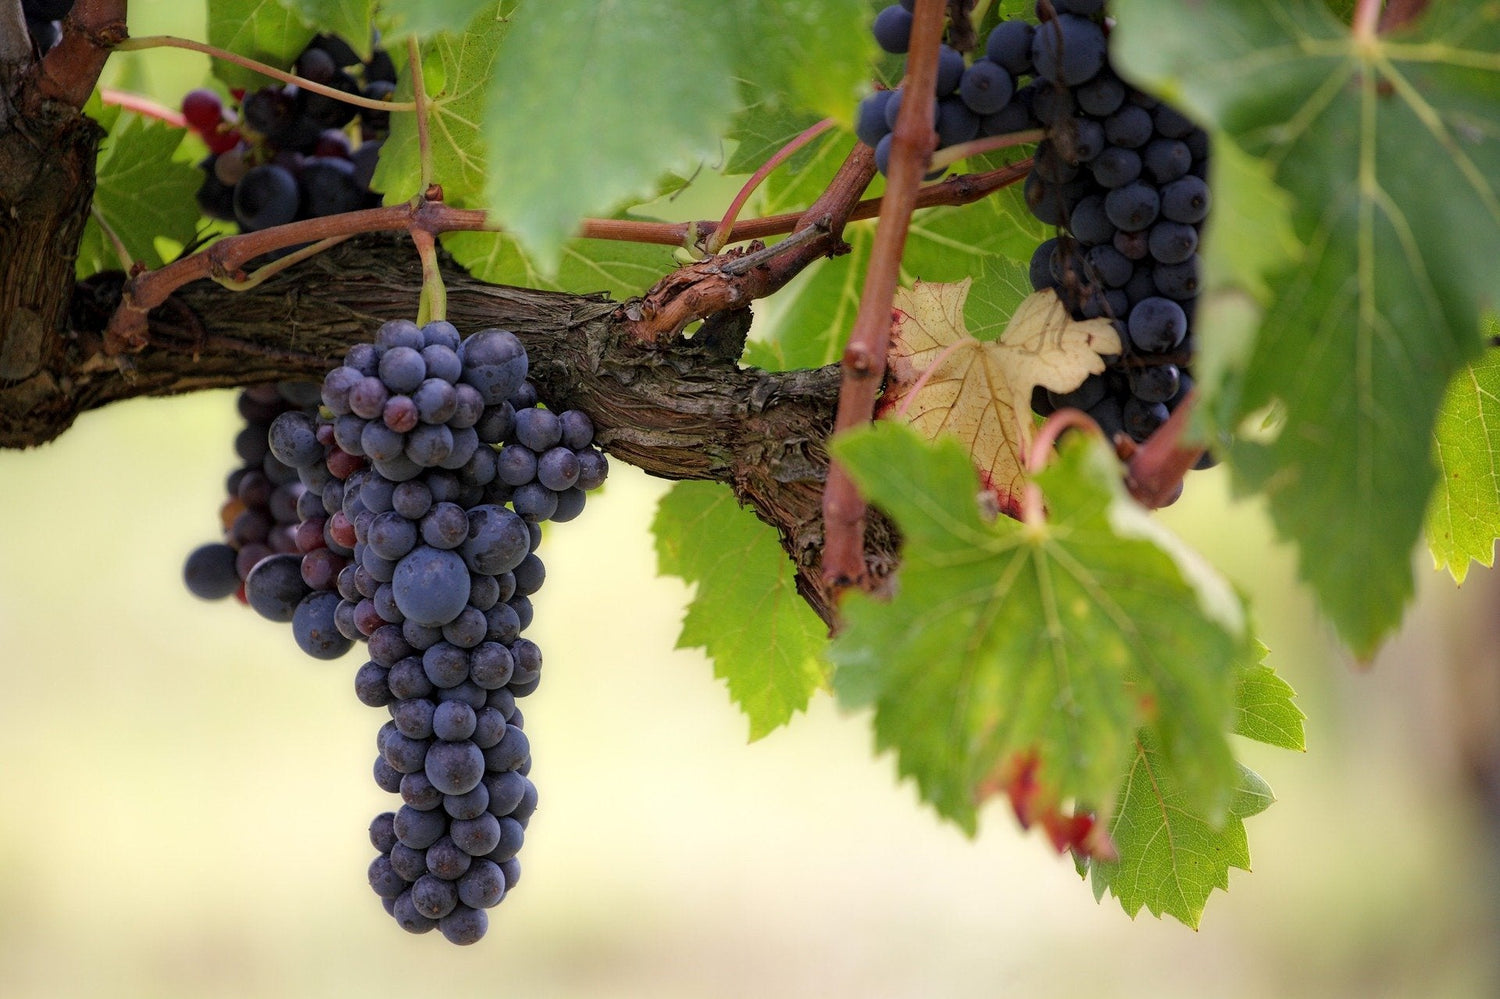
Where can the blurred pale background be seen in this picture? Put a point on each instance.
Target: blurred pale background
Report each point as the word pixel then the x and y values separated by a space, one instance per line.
pixel 186 796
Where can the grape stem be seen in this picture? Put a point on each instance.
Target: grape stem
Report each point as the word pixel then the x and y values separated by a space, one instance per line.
pixel 977 147
pixel 1155 469
pixel 720 237
pixel 424 139
pixel 173 42
pixel 68 73
pixel 143 106
pixel 221 260
pixel 263 274
pixel 863 363
pixel 433 302
pixel 1033 510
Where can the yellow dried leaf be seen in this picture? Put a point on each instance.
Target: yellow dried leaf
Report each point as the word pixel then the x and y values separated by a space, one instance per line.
pixel 943 381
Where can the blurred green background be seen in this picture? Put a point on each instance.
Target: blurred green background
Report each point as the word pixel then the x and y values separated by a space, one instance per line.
pixel 186 796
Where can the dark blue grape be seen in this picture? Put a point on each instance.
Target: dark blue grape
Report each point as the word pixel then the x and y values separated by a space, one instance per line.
pixel 429 445
pixel 418 829
pixel 1129 127
pixel 408 918
pixel 402 369
pixel 445 526
pixel 399 333
pixel 1142 418
pixel 1083 397
pixel 274 587
pixel 1157 324
pixel 447 860
pixel 453 721
pixel 418 792
pixel 445 664
pixel 892 29
pixel 1170 122
pixel 455 767
pixel 210 573
pixel 1009 44
pixel 1089 222
pixel 538 429
pixel 314 629
pixel 1183 200
pixel 534 501
pixel 467 630
pixel 1178 281
pixel 436 399
pixel 467 806
pixel 570 503
pixel 954 123
pixel 494 364
pixel 464 925
pixel 293 439
pixel 431 586
pixel 869 125
pixel 1164 160
pixel 511 837
pixel 496 540
pixel 411 499
pixel 413 717
pixel 441 333
pixel 1172 242
pixel 509 753
pixel 384 880
pixel 391 535
pixel 1158 383
pixel 1068 50
pixel 490 665
pixel 470 407
pixel 1132 207
pixel 1040 270
pixel 557 468
pixel 434 897
pixel 266 196
pixel 883 153
pixel 1115 166
pixel 495 423
pixel 949 72
pixel 1101 96
pixel 465 442
pixel 482 886
pixel 1109 265
pixel 481 835
pixel 328 187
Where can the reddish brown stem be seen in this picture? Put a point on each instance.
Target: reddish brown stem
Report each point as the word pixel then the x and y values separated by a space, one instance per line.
pixel 1156 469
pixel 143 106
pixel 70 70
pixel 864 356
pixel 720 237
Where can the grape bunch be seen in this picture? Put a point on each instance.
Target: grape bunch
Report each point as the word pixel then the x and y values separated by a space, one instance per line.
pixel 431 470
pixel 288 153
pixel 260 517
pixel 44 21
pixel 1124 178
pixel 973 99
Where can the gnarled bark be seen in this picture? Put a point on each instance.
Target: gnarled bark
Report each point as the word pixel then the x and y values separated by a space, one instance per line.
pixel 680 409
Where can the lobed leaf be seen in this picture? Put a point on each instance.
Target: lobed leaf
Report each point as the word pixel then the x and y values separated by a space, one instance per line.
pixel 1060 639
pixel 1389 149
pixel 267 31
pixel 455 68
pixel 766 643
pixel 142 194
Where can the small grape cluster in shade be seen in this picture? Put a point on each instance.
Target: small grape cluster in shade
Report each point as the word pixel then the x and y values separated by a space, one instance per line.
pixel 985 97
pixel 290 153
pixel 260 517
pixel 1123 176
pixel 44 21
pixel 431 468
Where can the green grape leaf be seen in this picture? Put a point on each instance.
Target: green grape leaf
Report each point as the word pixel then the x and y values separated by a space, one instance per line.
pixel 1263 706
pixel 455 68
pixel 1389 149
pixel 143 195
pixel 761 130
pixel 264 30
pixel 604 133
pixel 587 265
pixel 423 17
pixel 349 19
pixel 1464 518
pixel 808 54
pixel 1057 639
pixel 1170 857
pixel 763 638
